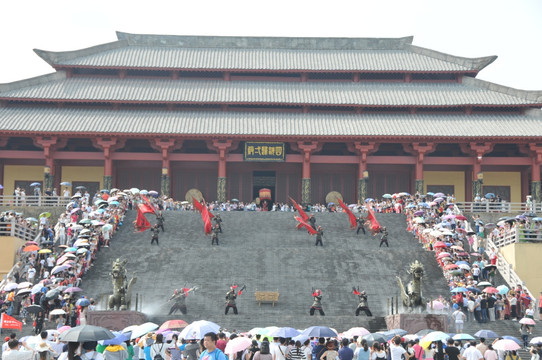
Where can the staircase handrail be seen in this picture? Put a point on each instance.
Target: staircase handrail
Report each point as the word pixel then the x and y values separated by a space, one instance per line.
pixel 505 269
pixel 22 232
pixel 32 200
pixel 500 207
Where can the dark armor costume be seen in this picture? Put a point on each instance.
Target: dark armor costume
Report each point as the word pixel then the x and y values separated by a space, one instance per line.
pixel 155 233
pixel 361 225
pixel 218 221
pixel 160 221
pixel 179 297
pixel 319 234
pixel 214 235
pixel 384 237
pixel 363 305
pixel 317 303
pixel 230 301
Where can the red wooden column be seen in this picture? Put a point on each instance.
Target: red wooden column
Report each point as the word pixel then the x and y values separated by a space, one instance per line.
pixel 536 191
pixel 108 145
pixel 165 146
pixel 479 150
pixel 421 149
pixel 49 144
pixel 307 148
pixel 222 147
pixel 363 149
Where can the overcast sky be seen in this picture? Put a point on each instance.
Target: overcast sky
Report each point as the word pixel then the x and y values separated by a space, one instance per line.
pixel 511 29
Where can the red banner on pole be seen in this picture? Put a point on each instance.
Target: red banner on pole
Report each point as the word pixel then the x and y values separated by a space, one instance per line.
pixel 9 322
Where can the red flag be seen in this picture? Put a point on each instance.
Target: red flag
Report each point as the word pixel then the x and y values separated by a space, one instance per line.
pixel 146 209
pixel 356 292
pixel 185 290
pixel 8 322
pixel 375 225
pixel 303 214
pixel 208 227
pixel 351 215
pixel 306 225
pixel 200 207
pixel 141 223
pixel 149 204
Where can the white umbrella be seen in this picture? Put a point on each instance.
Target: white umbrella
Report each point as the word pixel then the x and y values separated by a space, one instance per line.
pixel 58 312
pixel 198 329
pixel 356 331
pixel 143 329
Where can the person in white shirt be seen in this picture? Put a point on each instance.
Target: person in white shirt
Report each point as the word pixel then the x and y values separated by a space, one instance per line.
pixel 13 353
pixel 396 350
pixel 280 350
pixel 459 318
pixel 31 274
pixel 472 353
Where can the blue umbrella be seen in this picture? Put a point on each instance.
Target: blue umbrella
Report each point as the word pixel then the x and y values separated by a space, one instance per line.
pixel 462 263
pixel 104 191
pixel 489 196
pixel 515 339
pixel 65 183
pixel 488 334
pixel 424 204
pixel 35 184
pixel 117 340
pixel 319 331
pixel 537 219
pixel 285 332
pixel 369 199
pixel 463 337
pixel 474 290
pixel 430 193
pixel 83 302
pixel 409 206
pixel 393 332
pixel 459 289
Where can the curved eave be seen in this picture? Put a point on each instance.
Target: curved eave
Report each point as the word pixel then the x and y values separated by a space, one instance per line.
pixel 262 71
pixel 54 57
pixel 333 138
pixel 165 103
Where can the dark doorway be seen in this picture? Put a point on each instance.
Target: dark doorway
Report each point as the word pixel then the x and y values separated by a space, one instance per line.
pixel 264 179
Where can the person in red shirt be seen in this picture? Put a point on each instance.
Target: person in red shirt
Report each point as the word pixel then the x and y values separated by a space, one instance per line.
pixel 540 305
pixel 221 342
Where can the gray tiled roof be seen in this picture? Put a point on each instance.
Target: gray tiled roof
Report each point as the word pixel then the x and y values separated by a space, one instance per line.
pixel 263 53
pixel 210 91
pixel 84 121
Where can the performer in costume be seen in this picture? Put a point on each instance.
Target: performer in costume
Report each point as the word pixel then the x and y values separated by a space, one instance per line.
pixel 179 297
pixel 384 237
pixel 312 221
pixel 155 233
pixel 317 302
pixel 160 221
pixel 214 235
pixel 218 222
pixel 230 300
pixel 361 222
pixel 363 305
pixel 319 234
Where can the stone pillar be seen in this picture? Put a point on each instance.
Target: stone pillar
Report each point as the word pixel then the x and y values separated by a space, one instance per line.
pixel 420 150
pixel 363 149
pixel 165 146
pixel 479 149
pixel 306 190
pixel 108 146
pixel 222 147
pixel 536 190
pixel 49 146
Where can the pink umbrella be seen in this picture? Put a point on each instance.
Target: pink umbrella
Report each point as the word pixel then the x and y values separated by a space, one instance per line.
pixel 356 331
pixel 72 289
pixel 527 321
pixel 63 328
pixel 60 268
pixel 238 344
pixel 61 260
pixel 506 345
pixel 443 255
pixel 437 305
pixel 491 290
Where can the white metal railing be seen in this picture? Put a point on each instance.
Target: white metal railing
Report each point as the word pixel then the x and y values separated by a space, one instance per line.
pixel 12 228
pixel 515 235
pixel 43 200
pixel 504 207
pixel 506 270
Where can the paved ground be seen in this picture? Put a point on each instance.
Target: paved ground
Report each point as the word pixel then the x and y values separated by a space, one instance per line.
pixel 265 252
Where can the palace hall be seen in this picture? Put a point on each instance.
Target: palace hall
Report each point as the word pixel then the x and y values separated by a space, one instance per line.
pixel 299 116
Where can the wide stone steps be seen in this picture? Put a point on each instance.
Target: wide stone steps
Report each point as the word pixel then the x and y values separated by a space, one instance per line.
pixel 264 251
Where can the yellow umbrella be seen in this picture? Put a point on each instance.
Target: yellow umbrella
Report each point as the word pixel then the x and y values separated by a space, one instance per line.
pixel 44 251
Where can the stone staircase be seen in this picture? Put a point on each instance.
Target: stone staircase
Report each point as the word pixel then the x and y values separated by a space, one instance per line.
pixel 264 251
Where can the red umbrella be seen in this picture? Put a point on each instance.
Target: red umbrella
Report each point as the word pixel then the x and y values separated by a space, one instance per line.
pixel 463 253
pixel 443 255
pixel 461 230
pixel 451 267
pixel 174 324
pixel 460 217
pixel 30 248
pixel 491 290
pixel 439 244
pixel 455 247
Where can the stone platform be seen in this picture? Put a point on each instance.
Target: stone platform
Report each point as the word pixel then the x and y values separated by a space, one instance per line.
pixel 115 320
pixel 413 323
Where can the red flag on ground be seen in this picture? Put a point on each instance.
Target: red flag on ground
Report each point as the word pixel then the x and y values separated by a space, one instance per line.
pixel 375 225
pixel 351 215
pixel 303 214
pixel 8 322
pixel 306 225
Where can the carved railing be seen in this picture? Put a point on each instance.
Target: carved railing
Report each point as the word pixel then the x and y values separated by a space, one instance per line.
pixel 43 200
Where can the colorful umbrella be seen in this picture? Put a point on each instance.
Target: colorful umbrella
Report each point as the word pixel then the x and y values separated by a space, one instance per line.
pixel 240 343
pixel 527 321
pixel 31 248
pixel 506 345
pixel 491 290
pixel 174 324
pixel 488 334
